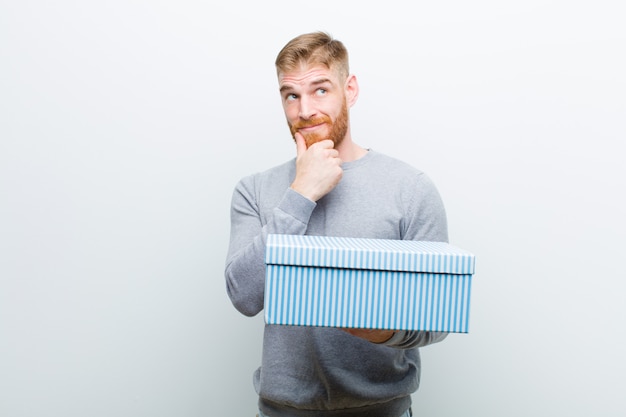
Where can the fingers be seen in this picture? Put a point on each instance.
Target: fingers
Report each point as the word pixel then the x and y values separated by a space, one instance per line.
pixel 327 148
pixel 300 144
pixel 326 145
pixel 372 335
pixel 318 168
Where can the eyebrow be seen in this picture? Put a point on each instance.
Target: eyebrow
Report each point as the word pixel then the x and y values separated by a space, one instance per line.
pixel 315 83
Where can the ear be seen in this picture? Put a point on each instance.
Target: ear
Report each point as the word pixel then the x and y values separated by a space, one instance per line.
pixel 351 89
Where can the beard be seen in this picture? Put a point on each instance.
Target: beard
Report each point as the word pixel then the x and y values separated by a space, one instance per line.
pixel 338 128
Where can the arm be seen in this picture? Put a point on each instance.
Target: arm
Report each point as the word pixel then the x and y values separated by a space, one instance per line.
pixel 245 262
pixel 317 172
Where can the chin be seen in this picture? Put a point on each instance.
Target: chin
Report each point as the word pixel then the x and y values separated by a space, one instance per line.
pixel 311 141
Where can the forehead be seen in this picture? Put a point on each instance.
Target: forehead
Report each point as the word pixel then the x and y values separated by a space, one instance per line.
pixel 305 75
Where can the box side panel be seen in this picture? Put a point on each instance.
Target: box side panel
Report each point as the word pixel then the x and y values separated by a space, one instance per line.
pixel 367 299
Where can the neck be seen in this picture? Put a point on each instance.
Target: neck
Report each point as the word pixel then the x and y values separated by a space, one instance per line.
pixel 350 151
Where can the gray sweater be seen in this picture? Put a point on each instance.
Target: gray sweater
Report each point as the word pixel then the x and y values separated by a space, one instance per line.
pixel 315 371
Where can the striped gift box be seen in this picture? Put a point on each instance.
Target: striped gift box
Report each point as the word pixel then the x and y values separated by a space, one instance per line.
pixel 367 283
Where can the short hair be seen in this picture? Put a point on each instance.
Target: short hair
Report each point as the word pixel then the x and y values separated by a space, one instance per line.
pixel 314 48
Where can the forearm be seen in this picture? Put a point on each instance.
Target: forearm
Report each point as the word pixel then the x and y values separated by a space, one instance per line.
pixel 245 264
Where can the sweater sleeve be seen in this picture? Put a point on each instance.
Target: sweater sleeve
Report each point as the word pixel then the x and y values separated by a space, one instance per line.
pixel 426 220
pixel 245 265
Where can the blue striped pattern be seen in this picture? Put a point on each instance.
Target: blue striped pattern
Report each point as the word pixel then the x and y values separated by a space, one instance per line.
pixel 400 288
pixel 360 253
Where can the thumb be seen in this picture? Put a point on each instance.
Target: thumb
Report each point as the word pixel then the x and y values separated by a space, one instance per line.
pixel 300 144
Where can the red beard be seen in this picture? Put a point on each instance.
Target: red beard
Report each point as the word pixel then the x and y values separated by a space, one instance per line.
pixel 338 128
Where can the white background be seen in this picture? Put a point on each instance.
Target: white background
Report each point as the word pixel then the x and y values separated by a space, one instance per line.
pixel 124 126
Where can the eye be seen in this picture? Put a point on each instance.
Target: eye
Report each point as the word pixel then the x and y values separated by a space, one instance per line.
pixel 321 91
pixel 291 97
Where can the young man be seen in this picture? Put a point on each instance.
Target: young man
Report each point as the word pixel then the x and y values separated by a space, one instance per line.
pixel 333 187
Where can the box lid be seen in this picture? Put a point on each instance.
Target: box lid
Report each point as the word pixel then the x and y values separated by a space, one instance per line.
pixel 364 253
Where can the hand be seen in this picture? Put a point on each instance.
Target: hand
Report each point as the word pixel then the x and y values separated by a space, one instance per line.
pixel 374 336
pixel 318 168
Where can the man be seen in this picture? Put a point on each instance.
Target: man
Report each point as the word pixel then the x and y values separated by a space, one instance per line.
pixel 333 187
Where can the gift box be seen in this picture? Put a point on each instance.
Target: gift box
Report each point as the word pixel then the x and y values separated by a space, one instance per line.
pixel 367 283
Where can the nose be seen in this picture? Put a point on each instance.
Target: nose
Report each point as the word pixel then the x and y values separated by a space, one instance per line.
pixel 307 108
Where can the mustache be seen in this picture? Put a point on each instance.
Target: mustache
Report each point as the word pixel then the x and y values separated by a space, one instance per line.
pixel 307 123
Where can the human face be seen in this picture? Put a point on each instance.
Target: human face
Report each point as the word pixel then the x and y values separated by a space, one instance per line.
pixel 315 104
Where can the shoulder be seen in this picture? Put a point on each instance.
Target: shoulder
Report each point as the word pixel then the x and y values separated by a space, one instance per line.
pixel 410 182
pixel 396 167
pixel 267 185
pixel 282 171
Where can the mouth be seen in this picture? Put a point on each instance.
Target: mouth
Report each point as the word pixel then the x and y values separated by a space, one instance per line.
pixel 310 128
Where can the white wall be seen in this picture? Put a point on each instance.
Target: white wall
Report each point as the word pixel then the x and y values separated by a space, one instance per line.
pixel 124 126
